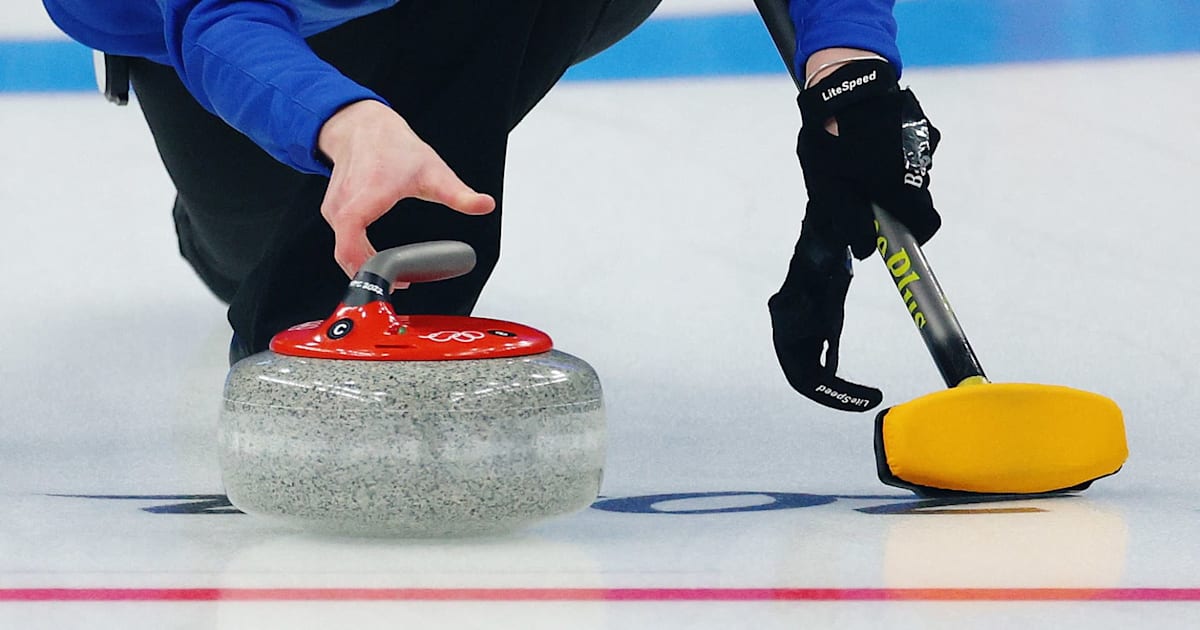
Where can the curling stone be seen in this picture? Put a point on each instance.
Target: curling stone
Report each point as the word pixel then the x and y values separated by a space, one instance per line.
pixel 374 423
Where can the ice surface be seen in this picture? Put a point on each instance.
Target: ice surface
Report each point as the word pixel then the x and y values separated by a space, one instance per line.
pixel 668 211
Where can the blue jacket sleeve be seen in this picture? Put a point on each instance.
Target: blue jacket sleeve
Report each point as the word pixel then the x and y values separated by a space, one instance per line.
pixel 247 63
pixel 866 24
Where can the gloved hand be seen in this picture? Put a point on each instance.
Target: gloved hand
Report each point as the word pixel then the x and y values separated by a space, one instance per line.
pixel 806 315
pixel 881 154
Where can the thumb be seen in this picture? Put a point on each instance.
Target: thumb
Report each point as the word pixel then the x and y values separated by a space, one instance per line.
pixel 855 223
pixel 439 184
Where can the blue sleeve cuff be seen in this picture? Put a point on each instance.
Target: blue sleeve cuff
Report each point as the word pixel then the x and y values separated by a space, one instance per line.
pixel 246 63
pixel 865 24
pixel 283 114
pixel 304 127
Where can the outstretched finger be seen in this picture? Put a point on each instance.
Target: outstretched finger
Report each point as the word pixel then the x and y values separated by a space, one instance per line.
pixel 351 250
pixel 437 183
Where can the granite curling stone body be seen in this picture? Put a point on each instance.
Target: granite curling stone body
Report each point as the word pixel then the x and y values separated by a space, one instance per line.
pixel 418 426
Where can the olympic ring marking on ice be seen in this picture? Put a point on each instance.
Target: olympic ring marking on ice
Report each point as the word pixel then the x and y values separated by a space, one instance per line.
pixel 463 336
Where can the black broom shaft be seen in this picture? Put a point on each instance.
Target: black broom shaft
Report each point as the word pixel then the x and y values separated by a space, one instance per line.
pixel 779 24
pixel 926 301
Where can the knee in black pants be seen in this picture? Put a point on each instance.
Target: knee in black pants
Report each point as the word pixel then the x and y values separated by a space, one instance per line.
pixel 251 227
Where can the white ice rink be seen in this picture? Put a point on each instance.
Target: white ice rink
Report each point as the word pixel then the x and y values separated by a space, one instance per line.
pixel 647 222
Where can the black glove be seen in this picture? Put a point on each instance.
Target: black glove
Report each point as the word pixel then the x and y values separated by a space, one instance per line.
pixel 882 154
pixel 806 315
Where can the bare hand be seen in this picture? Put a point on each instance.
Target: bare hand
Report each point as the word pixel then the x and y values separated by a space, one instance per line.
pixel 377 161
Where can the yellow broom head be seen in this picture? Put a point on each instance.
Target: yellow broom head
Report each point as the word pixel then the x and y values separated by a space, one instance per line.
pixel 1001 438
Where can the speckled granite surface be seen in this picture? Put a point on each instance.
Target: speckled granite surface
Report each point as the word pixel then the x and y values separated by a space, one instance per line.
pixel 412 448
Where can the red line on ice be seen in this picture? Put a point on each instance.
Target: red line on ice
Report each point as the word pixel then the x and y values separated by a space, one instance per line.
pixel 597 594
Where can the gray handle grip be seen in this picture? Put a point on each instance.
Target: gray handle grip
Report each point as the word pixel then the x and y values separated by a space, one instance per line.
pixel 422 262
pixel 419 262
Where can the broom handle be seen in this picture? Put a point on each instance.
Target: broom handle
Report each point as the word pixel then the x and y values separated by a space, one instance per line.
pixel 779 24
pixel 926 302
pixel 910 270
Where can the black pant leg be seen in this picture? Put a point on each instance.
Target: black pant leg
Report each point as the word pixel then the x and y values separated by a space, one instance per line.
pixel 229 193
pixel 231 196
pixel 462 72
pixel 619 19
pixel 452 76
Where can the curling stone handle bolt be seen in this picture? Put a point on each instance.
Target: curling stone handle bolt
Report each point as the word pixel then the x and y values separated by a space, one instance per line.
pixel 420 262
